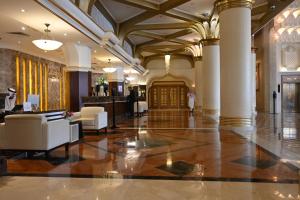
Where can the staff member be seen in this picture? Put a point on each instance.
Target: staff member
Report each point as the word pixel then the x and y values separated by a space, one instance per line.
pixel 10 100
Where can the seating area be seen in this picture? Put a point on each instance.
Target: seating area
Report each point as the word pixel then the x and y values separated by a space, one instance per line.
pixel 33 132
pixel 43 132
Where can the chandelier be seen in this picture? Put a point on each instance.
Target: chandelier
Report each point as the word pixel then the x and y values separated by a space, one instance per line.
pixel 47 44
pixel 109 69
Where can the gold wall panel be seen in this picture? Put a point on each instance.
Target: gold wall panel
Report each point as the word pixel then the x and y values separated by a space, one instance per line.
pixel 24 80
pixel 18 79
pixel 30 76
pixel 41 87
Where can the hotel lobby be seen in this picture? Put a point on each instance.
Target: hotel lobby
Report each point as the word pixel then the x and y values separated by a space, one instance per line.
pixel 149 99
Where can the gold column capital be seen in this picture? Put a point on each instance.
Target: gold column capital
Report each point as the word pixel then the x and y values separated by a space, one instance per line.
pixel 210 41
pixel 222 5
pixel 198 58
pixel 254 49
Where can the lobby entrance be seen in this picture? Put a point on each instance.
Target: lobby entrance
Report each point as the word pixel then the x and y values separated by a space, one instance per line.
pixel 291 94
pixel 168 95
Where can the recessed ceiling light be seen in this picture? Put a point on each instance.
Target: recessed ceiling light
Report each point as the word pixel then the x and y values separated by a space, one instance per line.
pixel 19 42
pixel 65 34
pixel 95 51
pixel 22 10
pixel 23 28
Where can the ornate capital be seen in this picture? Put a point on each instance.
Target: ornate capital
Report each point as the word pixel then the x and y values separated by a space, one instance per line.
pixel 210 41
pixel 198 58
pixel 222 5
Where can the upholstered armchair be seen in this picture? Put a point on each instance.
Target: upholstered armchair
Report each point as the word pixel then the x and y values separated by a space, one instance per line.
pixel 92 118
pixel 32 132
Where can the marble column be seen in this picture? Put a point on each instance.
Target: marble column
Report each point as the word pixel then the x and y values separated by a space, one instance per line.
pixel 235 49
pixel 211 78
pixel 116 82
pixel 253 74
pixel 199 82
pixel 78 61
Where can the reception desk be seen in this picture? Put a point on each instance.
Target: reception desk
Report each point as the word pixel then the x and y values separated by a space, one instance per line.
pixel 121 106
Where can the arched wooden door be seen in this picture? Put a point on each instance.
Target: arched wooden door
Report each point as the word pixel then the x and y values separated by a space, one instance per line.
pixel 168 95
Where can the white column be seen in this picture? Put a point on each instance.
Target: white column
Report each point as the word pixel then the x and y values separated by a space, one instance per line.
pixel 235 48
pixel 211 78
pixel 253 68
pixel 199 82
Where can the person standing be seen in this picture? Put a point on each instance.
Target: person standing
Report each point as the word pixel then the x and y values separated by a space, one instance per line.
pixel 10 100
pixel 191 101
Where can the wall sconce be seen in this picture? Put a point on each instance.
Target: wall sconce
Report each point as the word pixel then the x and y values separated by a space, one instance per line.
pixel 283 69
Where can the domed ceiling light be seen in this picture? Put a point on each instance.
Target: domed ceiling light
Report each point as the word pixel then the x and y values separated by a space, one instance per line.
pixel 109 69
pixel 47 44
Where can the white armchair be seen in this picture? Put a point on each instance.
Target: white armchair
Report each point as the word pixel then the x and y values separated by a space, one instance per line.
pixel 92 118
pixel 32 132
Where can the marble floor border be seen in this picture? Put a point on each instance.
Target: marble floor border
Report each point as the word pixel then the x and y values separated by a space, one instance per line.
pixel 178 178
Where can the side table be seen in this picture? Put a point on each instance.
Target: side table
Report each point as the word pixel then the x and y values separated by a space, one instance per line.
pixel 79 124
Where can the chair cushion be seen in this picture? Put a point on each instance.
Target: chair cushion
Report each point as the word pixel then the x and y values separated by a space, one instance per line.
pixel 88 121
pixel 90 112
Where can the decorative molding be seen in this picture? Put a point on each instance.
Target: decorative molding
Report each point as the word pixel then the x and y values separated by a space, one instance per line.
pixel 222 5
pixel 235 121
pixel 210 41
pixel 253 49
pixel 206 111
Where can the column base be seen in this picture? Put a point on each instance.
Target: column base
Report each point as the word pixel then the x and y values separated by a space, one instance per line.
pixel 211 113
pixel 229 123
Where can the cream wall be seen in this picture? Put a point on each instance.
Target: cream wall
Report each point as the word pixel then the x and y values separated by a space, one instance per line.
pixel 180 68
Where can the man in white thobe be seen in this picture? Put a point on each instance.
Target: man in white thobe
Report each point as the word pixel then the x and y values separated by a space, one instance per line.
pixel 191 101
pixel 10 100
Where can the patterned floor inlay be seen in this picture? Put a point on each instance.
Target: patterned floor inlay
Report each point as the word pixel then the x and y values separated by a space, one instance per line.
pixel 179 168
pixel 255 162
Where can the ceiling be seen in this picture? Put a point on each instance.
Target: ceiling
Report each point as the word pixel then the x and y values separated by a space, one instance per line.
pixel 155 27
pixel 29 26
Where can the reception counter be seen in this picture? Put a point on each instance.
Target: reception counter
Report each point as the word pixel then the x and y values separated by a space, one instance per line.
pixel 121 106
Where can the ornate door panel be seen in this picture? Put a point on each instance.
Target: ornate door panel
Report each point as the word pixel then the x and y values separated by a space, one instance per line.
pixel 168 95
pixel 173 94
pixel 164 100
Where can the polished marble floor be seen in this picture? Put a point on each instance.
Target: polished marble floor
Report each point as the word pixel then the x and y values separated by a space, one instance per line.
pixel 28 188
pixel 172 148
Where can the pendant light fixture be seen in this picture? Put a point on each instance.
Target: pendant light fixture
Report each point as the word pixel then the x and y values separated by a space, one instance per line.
pixel 109 69
pixel 46 43
pixel 167 62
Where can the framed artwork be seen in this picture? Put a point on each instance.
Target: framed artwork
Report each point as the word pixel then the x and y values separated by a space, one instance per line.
pixel 257 75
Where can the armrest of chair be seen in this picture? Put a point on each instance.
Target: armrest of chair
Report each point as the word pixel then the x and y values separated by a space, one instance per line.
pixel 56 133
pixel 2 136
pixel 75 116
pixel 101 119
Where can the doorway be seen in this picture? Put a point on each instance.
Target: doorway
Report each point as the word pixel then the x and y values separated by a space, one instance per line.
pixel 168 95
